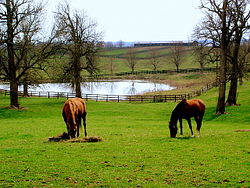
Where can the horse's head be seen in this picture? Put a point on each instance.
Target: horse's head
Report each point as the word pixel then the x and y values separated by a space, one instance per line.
pixel 73 131
pixel 173 129
pixel 73 128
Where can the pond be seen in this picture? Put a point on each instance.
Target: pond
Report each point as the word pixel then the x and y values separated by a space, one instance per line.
pixel 108 87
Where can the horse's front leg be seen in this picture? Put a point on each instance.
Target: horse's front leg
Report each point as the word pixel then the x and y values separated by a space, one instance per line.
pixel 180 120
pixel 66 122
pixel 68 128
pixel 190 126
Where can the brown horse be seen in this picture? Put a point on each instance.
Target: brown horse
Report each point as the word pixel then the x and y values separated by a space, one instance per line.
pixel 73 111
pixel 185 110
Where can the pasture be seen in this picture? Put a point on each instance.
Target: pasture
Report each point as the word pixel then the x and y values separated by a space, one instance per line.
pixel 144 59
pixel 115 59
pixel 136 150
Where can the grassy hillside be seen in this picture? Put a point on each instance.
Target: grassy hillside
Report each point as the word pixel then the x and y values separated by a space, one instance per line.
pixel 143 55
pixel 116 58
pixel 136 151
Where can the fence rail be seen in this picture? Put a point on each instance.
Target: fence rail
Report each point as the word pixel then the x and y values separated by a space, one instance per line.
pixel 117 98
pixel 168 71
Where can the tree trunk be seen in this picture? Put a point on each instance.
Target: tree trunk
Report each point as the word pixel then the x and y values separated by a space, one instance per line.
pixel 223 62
pixel 25 89
pixel 77 74
pixel 232 95
pixel 78 87
pixel 222 92
pixel 13 94
pixel 11 60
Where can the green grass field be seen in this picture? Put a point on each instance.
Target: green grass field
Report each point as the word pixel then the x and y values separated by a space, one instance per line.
pixel 120 64
pixel 136 150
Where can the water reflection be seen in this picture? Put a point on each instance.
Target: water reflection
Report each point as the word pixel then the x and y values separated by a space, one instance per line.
pixel 119 87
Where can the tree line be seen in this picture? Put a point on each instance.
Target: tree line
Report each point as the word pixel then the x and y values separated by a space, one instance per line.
pixel 25 50
pixel 222 29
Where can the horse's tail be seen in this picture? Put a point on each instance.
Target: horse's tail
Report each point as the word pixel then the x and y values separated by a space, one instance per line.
pixel 72 111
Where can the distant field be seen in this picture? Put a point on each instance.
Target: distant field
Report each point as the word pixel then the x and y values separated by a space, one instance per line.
pixel 111 61
pixel 136 151
pixel 118 58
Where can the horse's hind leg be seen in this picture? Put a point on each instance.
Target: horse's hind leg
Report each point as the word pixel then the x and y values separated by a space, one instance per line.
pixel 199 122
pixel 190 126
pixel 78 126
pixel 84 124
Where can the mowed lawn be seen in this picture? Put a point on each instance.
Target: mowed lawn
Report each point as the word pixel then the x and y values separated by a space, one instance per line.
pixel 136 150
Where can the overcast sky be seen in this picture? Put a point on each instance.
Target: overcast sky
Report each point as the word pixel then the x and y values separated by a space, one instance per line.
pixel 140 20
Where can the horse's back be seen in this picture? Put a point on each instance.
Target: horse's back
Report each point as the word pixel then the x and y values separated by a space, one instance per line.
pixel 66 108
pixel 79 105
pixel 197 105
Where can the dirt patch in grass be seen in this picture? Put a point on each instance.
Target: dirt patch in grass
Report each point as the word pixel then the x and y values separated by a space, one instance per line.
pixel 242 130
pixel 85 139
pixel 64 137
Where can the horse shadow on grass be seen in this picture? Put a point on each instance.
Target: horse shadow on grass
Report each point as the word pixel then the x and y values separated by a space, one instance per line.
pixel 168 139
pixel 185 137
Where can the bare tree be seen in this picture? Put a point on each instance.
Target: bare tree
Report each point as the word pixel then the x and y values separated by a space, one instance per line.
pixel 201 53
pixel 215 28
pixel 81 40
pixel 224 25
pixel 240 13
pixel 154 58
pixel 131 59
pixel 176 55
pixel 16 41
pixel 111 64
pixel 244 61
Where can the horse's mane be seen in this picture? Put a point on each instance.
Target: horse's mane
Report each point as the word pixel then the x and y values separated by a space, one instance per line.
pixel 180 106
pixel 176 113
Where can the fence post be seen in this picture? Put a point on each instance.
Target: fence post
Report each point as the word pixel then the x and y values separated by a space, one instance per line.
pixel 175 98
pixel 48 94
pixel 118 98
pixel 107 98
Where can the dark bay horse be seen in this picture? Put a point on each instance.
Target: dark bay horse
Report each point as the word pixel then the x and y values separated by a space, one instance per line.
pixel 73 111
pixel 185 110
